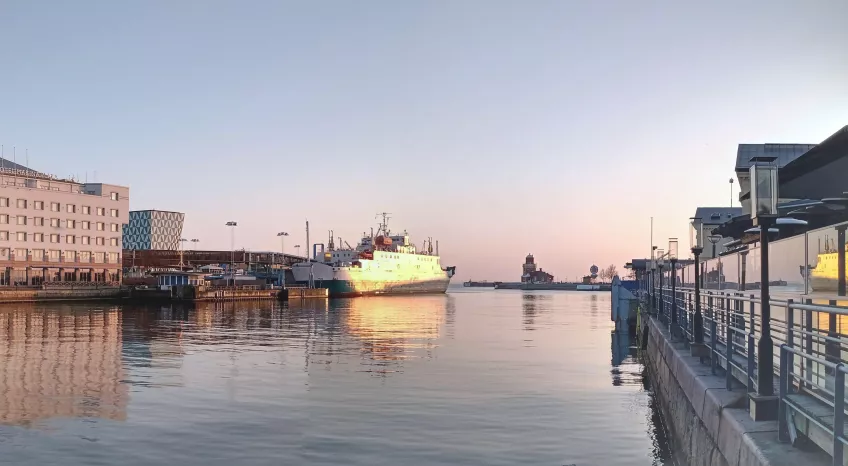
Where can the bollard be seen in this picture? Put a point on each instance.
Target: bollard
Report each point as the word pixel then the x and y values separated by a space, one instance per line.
pixel 782 390
pixel 838 414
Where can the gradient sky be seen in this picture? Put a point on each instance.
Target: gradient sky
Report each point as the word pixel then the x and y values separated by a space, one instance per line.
pixel 498 128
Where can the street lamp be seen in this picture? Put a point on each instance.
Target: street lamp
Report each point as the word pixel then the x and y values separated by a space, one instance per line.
pixel 182 248
pixel 232 226
pixel 714 239
pixel 195 241
pixel 763 404
pixel 297 248
pixel 698 348
pixel 672 256
pixel 282 236
pixel 660 254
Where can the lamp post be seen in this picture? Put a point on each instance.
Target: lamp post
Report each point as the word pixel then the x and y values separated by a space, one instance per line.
pixel 660 254
pixel 182 248
pixel 297 248
pixel 698 348
pixel 714 239
pixel 672 256
pixel 195 241
pixel 763 404
pixel 232 226
pixel 282 236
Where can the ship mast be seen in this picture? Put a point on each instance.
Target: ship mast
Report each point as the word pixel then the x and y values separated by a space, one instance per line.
pixel 384 226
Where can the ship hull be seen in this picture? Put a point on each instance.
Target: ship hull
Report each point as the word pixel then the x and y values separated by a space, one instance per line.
pixel 387 279
pixel 354 288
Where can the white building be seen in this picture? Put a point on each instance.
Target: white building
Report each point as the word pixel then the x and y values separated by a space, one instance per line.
pixel 58 230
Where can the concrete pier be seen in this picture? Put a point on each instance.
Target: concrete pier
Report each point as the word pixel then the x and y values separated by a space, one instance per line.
pixel 709 422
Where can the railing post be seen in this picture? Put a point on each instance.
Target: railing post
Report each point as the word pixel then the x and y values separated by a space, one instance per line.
pixel 782 424
pixel 832 347
pixel 751 350
pixel 838 414
pixel 713 341
pixel 790 334
pixel 808 328
pixel 728 345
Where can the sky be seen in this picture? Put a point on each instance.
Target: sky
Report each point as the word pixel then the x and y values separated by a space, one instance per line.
pixel 498 128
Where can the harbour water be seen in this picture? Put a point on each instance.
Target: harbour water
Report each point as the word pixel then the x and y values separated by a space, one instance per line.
pixel 475 377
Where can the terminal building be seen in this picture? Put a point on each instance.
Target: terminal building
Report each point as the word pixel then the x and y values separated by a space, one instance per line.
pixel 58 230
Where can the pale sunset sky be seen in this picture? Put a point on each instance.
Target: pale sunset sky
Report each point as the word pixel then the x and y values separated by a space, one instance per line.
pixel 499 128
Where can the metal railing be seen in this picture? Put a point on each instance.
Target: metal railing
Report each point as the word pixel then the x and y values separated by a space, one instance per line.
pixel 809 357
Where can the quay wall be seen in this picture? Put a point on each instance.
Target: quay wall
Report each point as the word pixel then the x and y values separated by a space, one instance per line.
pixel 709 424
pixel 27 295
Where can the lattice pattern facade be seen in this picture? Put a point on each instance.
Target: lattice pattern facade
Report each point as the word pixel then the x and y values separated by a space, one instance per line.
pixel 154 229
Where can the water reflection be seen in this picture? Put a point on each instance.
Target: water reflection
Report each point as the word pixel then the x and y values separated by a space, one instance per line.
pixel 532 305
pixel 61 363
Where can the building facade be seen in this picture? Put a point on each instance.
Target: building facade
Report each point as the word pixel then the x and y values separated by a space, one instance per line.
pixel 54 230
pixel 154 229
pixel 529 273
pixel 711 218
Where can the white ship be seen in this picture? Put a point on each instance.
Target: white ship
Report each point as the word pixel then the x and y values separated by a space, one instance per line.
pixel 378 265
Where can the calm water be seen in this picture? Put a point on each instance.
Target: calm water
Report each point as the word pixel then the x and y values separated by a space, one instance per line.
pixel 475 377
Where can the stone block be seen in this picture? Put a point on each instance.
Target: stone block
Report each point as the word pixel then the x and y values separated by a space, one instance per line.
pixel 763 449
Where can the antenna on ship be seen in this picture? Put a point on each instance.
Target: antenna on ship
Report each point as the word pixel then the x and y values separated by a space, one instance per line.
pixel 385 225
pixel 430 246
pixel 330 244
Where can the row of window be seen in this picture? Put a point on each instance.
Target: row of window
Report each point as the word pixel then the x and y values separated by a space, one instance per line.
pixel 57 207
pixel 55 254
pixel 54 238
pixel 55 222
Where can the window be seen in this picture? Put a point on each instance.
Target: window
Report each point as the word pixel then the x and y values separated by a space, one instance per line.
pixel 101 211
pixel 39 205
pixel 54 238
pixel 86 225
pixel 70 256
pixel 22 236
pixel 4 218
pixel 86 210
pixel 37 254
pixel 114 196
pixel 4 202
pixel 70 239
pixel 113 257
pixel 71 208
pixel 54 254
pixel 20 254
pixel 4 236
pixel 101 226
pixel 113 242
pixel 22 203
pixel 114 227
pixel 21 220
pixel 54 222
pixel 38 221
pixel 98 257
pixel 113 212
pixel 38 237
pixel 85 256
pixel 86 239
pixel 71 223
pixel 100 241
pixel 54 207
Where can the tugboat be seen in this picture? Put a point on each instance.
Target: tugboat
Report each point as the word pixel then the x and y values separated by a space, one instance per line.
pixel 381 264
